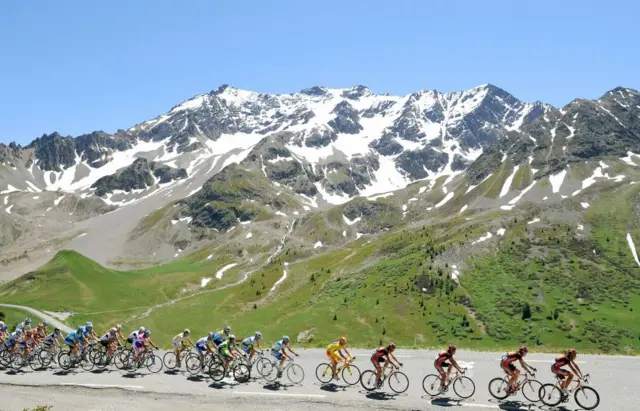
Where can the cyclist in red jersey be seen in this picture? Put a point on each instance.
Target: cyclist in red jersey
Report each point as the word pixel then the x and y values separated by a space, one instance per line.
pixel 506 363
pixel 441 362
pixel 384 355
pixel 568 358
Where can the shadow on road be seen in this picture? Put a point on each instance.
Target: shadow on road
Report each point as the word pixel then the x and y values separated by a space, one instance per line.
pixel 196 378
pixel 63 373
pixel 101 371
pixel 513 405
pixel 380 396
pixel 171 372
pixel 132 374
pixel 220 385
pixel 445 402
pixel 331 387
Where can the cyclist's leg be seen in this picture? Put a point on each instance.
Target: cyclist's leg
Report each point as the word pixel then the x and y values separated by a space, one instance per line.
pixel 439 368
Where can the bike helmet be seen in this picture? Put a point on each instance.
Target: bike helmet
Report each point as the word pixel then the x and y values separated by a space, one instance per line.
pixel 118 327
pixel 258 335
pixel 113 331
pixel 342 341
pixel 186 331
pixel 27 320
pixel 523 349
pixel 285 339
pixel 56 331
pixel 80 328
pixel 45 323
pixel 232 337
pixel 452 348
pixel 571 353
pixel 142 329
pixel 212 335
pixel 147 333
pixel 227 329
pixel 391 347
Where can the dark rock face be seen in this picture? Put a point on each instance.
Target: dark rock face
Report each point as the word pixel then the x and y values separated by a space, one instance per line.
pixel 54 151
pixel 356 92
pixel 386 146
pixel 346 120
pixel 459 163
pixel 320 138
pixel 9 154
pixel 137 176
pixel 417 163
pixel 378 109
pixel 96 147
pixel 314 91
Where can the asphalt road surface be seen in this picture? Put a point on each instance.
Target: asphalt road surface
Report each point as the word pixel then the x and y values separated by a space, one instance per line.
pixel 617 380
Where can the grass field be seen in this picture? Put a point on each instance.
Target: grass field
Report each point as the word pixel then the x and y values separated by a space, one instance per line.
pixel 549 285
pixel 13 316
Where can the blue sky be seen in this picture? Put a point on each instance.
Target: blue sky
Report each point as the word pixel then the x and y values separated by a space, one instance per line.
pixel 79 66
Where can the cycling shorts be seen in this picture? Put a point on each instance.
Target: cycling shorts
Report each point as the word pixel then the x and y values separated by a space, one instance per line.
pixel 177 345
pixel 225 353
pixel 138 346
pixel 202 349
pixel 560 372
pixel 246 349
pixel 277 355
pixel 333 355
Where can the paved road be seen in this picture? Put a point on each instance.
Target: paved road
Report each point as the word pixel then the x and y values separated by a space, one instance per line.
pixel 616 378
pixel 53 321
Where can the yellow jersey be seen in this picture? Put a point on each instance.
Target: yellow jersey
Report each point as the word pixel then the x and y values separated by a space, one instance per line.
pixel 335 346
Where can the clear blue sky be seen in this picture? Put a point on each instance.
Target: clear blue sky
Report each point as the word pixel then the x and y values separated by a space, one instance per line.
pixel 79 66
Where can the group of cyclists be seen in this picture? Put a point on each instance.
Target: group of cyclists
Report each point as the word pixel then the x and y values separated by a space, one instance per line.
pixel 26 338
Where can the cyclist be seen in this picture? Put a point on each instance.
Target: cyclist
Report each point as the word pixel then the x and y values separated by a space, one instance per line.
pixel 384 355
pixel 568 358
pixel 221 335
pixel 506 363
pixel 52 340
pixel 140 346
pixel 226 350
pixel 441 362
pixel 203 348
pixel 89 334
pixel 133 337
pixel 119 333
pixel 278 351
pixel 25 325
pixel 12 340
pixel 178 344
pixel 249 342
pixel 4 331
pixel 334 352
pixel 75 339
pixel 109 340
pixel 40 332
pixel 43 325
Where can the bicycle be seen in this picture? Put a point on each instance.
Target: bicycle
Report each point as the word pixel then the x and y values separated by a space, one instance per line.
pixel 398 381
pixel 463 386
pixel 171 361
pixel 237 366
pixel 148 359
pixel 66 360
pixel 552 395
pixel 192 362
pixel 350 373
pixel 499 387
pixel 272 372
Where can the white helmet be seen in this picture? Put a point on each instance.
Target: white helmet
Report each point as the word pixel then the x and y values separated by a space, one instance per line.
pixel 113 330
pixel 118 327
pixel 258 335
pixel 186 331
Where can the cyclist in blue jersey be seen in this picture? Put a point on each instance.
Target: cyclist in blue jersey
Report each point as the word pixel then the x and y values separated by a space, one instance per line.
pixel 249 343
pixel 12 340
pixel 278 351
pixel 221 336
pixel 75 339
pixel 89 334
pixel 203 348
pixel 25 325
pixel 4 331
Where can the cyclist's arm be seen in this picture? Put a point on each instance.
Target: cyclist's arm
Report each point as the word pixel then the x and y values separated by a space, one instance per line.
pixel 348 354
pixel 397 364
pixel 290 350
pixel 576 370
pixel 151 342
pixel 526 366
pixel 455 364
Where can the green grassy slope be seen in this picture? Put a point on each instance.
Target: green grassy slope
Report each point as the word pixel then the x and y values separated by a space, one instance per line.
pixel 540 284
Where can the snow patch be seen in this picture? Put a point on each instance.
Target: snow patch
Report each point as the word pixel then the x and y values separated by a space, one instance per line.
pixel 629 160
pixel 580 227
pixel 224 269
pixel 501 232
pixel 483 238
pixel 445 200
pixel 57 201
pixel 508 181
pixel 8 210
pixel 584 205
pixel 344 233
pixel 522 193
pixel 464 207
pixel 10 189
pixel 318 244
pixel 535 220
pixel 280 213
pixel 351 222
pixel 632 246
pixel 249 235
pixel 205 281
pixel 422 189
pixel 358 235
pixel 284 276
pixel 556 181
pixel 507 207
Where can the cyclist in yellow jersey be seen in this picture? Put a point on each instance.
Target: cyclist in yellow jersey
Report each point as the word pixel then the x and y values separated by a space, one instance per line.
pixel 334 352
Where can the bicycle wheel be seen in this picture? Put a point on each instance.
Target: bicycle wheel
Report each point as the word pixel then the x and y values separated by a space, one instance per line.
pixel 241 372
pixel 270 372
pixel 431 384
pixel 398 382
pixel 192 362
pixel 550 395
pixel 499 388
pixel 368 380
pixel 324 373
pixel 351 374
pixel 464 387
pixel 119 359
pixel 531 390
pixel 587 398
pixel 17 362
pixel 86 363
pixel 295 373
pixel 34 361
pixel 4 358
pixel 263 366
pixel 217 372
pixel 153 364
pixel 64 361
pixel 170 360
pixel 46 357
